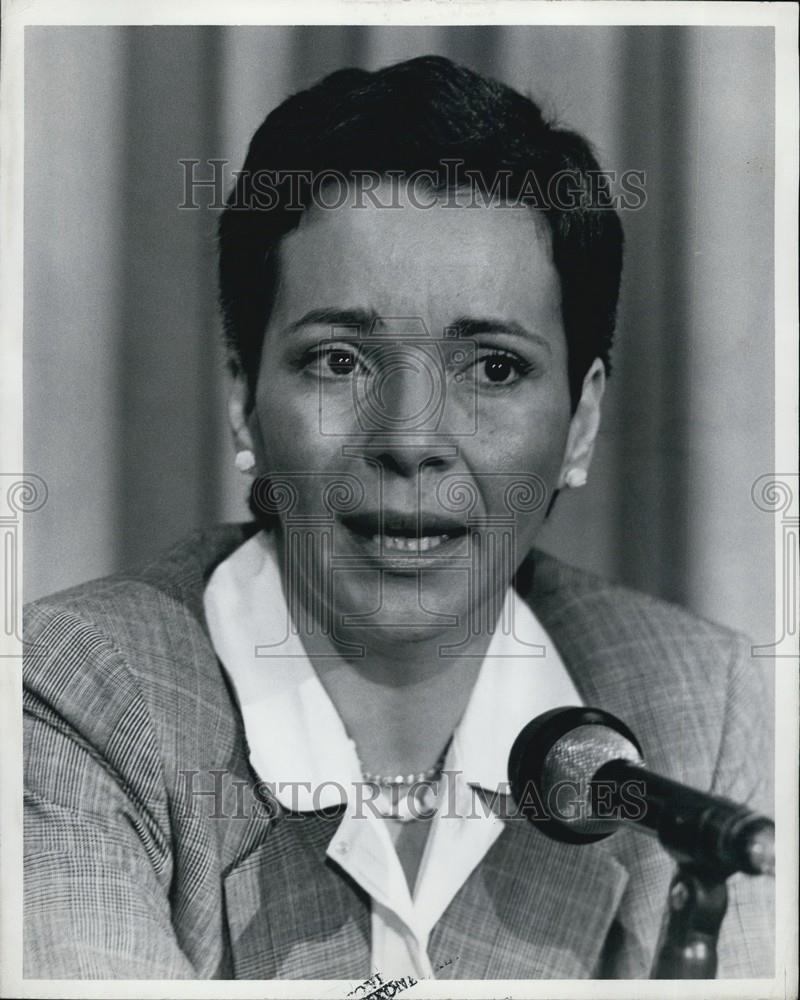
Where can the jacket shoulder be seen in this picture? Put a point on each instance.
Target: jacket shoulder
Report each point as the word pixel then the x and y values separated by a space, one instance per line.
pixel 132 639
pixel 601 613
pixel 674 677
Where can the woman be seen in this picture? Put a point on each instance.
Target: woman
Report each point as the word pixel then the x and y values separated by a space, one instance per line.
pixel 281 750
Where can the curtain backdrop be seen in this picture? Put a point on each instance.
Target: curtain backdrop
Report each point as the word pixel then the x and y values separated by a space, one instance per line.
pixel 124 372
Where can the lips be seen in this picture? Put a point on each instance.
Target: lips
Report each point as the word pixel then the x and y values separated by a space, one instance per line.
pixel 393 524
pixel 400 535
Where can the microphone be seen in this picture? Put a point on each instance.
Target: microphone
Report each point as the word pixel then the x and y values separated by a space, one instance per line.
pixel 578 773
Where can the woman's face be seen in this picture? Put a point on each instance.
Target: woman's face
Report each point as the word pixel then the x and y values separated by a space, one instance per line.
pixel 417 357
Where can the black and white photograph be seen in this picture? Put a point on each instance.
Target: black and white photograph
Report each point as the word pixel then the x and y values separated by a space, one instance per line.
pixel 399 500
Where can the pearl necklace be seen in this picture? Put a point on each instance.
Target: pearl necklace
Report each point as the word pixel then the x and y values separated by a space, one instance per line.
pixel 404 780
pixel 406 796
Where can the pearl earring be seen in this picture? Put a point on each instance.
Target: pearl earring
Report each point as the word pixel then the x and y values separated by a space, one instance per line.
pixel 245 460
pixel 575 478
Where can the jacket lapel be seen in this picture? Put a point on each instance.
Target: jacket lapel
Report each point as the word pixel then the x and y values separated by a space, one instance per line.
pixel 534 909
pixel 290 914
pixel 614 665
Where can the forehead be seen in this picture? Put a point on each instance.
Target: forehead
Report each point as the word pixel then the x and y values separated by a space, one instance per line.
pixel 408 260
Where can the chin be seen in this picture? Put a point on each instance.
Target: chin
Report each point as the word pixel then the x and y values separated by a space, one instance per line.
pixel 407 609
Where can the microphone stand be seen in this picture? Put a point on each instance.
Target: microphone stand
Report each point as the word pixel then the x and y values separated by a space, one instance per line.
pixel 710 838
pixel 698 900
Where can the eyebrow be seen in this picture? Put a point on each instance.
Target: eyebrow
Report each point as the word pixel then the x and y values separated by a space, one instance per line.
pixel 363 318
pixel 473 326
pixel 463 327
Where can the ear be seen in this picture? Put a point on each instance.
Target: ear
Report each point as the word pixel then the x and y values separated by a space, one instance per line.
pixel 239 415
pixel 585 423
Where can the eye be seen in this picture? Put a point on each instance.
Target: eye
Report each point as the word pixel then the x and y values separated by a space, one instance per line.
pixel 333 361
pixel 340 362
pixel 500 368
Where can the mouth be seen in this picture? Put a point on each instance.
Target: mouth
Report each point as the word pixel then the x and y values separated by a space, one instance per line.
pixel 401 543
pixel 400 536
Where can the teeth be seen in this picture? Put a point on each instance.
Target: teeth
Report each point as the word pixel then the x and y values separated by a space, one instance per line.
pixel 402 544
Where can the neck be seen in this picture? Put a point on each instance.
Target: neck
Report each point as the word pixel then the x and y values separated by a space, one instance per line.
pixel 399 703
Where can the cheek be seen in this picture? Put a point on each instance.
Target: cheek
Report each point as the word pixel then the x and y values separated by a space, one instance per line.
pixel 288 429
pixel 527 438
pixel 296 459
pixel 517 466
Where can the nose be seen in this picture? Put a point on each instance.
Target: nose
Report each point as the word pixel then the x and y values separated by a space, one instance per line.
pixel 406 457
pixel 406 391
pixel 402 412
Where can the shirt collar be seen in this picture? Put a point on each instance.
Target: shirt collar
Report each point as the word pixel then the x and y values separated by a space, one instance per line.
pixel 296 737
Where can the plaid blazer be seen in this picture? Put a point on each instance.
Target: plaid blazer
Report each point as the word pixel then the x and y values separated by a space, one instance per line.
pixel 131 871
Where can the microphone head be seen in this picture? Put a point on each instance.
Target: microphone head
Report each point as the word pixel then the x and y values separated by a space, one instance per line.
pixel 552 766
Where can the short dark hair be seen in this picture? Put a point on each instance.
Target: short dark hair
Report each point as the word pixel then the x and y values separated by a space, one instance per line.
pixel 419 115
